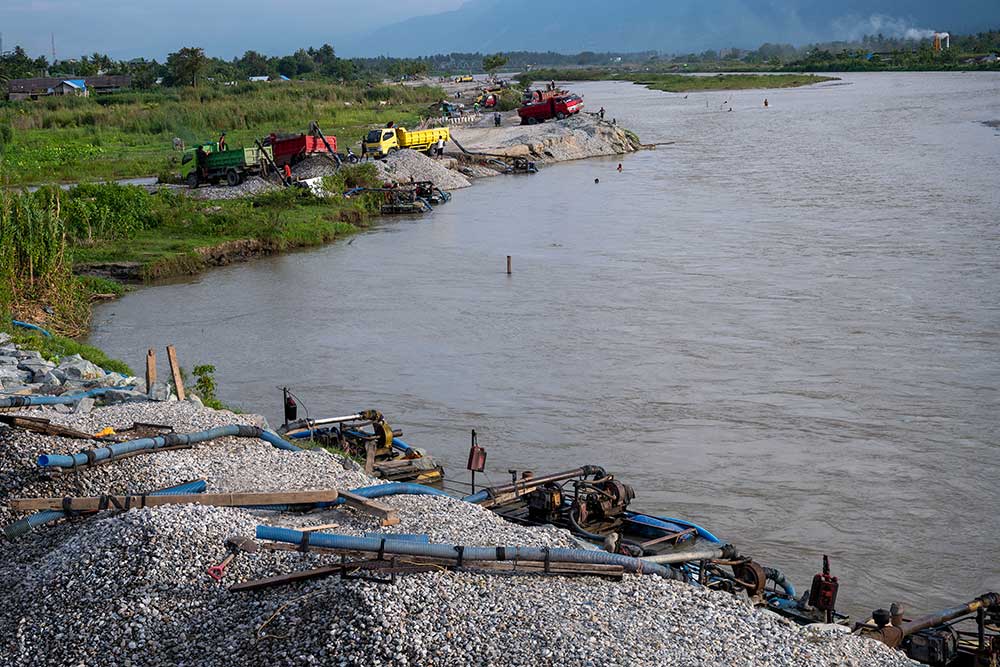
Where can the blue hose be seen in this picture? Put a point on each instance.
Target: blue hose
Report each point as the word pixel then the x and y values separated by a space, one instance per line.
pixel 160 441
pixel 402 446
pixel 29 325
pixel 477 498
pixel 65 399
pixel 670 525
pixel 29 523
pixel 449 551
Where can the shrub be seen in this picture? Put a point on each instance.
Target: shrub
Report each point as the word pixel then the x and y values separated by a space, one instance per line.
pixel 106 211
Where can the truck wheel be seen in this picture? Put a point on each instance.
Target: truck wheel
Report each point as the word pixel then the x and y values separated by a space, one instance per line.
pixel 392 150
pixel 532 121
pixel 560 115
pixel 232 178
pixel 192 180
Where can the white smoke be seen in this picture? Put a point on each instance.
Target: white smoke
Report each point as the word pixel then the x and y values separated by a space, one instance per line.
pixel 853 28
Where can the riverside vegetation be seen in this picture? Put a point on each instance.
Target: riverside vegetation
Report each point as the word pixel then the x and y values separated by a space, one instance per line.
pixel 680 83
pixel 130 134
pixel 43 234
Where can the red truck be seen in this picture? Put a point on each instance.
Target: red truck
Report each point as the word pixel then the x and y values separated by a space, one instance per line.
pixel 555 107
pixel 289 149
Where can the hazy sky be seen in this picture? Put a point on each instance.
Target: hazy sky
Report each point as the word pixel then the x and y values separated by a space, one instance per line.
pixel 226 28
pixel 131 28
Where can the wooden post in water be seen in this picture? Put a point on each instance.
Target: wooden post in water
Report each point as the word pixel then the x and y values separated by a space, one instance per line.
pixel 508 265
pixel 175 371
pixel 150 370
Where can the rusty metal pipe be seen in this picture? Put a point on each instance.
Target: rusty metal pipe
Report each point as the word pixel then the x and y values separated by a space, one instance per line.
pixel 930 620
pixel 525 485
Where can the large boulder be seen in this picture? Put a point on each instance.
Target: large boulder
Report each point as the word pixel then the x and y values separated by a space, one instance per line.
pixel 37 367
pixel 75 367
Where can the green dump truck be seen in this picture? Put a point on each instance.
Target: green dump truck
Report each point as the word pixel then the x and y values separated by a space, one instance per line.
pixel 207 164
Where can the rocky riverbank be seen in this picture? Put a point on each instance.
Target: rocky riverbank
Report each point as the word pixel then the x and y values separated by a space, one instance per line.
pixel 129 588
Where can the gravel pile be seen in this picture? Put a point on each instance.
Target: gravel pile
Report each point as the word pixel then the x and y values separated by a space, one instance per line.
pixel 253 185
pixel 406 164
pixel 129 589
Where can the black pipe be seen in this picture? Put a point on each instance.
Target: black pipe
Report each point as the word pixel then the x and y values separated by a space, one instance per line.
pixel 522 485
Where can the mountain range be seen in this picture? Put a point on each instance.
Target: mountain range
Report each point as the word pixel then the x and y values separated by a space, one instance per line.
pixel 682 26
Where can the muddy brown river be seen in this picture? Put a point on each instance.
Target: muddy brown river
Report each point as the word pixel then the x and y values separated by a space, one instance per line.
pixel 785 327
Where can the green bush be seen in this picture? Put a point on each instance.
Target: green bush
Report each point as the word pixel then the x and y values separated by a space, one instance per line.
pixel 106 211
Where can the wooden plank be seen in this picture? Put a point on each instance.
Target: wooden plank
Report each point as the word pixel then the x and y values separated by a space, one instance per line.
pixel 39 425
pixel 319 572
pixel 150 370
pixel 175 371
pixel 322 526
pixel 92 503
pixel 386 514
pixel 369 457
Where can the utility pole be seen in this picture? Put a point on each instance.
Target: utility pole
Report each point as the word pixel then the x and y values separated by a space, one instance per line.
pixel 53 46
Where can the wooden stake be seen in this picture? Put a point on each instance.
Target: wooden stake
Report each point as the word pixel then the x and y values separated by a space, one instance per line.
pixel 175 370
pixel 369 457
pixel 508 265
pixel 150 370
pixel 94 503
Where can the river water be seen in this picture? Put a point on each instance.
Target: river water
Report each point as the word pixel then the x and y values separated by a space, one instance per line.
pixel 785 326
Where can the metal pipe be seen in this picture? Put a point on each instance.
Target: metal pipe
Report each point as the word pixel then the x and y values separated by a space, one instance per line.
pixel 25 401
pixel 29 523
pixel 470 553
pixel 113 451
pixel 524 485
pixel 930 620
pixel 707 554
pixel 778 577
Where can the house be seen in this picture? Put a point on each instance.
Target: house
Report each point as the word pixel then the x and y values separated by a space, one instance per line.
pixel 30 89
pixel 76 87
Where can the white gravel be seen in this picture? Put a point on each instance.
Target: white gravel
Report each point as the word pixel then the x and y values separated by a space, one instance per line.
pixel 130 590
pixel 404 164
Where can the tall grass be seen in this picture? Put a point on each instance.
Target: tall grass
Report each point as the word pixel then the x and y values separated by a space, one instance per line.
pixel 207 110
pixel 36 283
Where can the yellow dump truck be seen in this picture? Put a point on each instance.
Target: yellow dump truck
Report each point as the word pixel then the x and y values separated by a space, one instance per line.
pixel 382 142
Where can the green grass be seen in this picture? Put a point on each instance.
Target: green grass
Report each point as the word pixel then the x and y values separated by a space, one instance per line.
pixel 683 83
pixel 55 347
pixel 167 245
pixel 127 135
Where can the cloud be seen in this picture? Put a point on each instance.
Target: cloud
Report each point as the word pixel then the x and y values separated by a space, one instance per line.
pixel 853 28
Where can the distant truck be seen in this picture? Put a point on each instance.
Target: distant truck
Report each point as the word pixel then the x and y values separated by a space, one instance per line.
pixel 290 149
pixel 381 142
pixel 207 164
pixel 554 107
pixel 465 78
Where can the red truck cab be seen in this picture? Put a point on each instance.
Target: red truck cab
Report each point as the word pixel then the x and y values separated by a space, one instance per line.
pixel 554 107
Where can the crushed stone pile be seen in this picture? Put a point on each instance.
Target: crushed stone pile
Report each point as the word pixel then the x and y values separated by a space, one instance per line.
pixel 406 164
pixel 130 589
pixel 253 185
pixel 574 138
